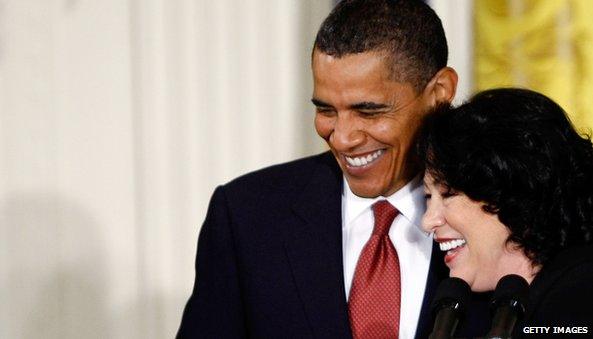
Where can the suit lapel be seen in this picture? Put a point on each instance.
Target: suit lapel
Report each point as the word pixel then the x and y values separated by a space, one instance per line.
pixel 313 242
pixel 436 273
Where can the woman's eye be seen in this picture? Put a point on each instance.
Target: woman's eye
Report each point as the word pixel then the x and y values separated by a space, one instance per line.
pixel 449 193
pixel 427 196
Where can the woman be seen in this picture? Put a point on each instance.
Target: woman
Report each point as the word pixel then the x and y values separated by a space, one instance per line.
pixel 509 188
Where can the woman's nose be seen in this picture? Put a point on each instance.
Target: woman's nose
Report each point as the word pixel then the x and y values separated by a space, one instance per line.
pixel 433 217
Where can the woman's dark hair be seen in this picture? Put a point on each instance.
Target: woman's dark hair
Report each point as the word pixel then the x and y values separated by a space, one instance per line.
pixel 516 151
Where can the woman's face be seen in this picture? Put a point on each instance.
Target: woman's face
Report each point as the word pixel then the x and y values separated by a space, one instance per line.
pixel 474 241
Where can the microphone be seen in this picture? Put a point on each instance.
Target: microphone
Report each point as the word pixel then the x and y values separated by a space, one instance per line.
pixel 508 304
pixel 449 305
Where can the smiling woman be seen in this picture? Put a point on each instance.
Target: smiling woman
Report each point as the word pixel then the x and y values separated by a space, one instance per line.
pixel 475 242
pixel 509 188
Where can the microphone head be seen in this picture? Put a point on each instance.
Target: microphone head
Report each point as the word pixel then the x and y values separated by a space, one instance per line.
pixel 511 290
pixel 452 292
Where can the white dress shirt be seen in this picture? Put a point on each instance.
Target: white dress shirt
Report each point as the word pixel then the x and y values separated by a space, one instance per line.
pixel 413 245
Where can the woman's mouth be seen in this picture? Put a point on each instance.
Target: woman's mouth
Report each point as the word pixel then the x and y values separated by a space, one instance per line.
pixel 452 247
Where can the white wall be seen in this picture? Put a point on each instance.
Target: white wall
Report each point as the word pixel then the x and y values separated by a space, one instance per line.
pixel 117 119
pixel 457 17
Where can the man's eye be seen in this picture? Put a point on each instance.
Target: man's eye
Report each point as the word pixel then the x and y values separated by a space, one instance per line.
pixel 427 196
pixel 369 114
pixel 325 111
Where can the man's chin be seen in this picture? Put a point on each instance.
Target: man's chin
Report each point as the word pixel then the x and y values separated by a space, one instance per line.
pixel 364 192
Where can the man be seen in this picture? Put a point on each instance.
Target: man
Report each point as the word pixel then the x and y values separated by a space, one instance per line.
pixel 280 253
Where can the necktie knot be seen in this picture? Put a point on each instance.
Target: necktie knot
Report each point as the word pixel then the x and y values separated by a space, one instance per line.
pixel 384 214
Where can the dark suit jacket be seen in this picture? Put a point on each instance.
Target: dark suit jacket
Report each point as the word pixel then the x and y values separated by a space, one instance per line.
pixel 269 262
pixel 562 294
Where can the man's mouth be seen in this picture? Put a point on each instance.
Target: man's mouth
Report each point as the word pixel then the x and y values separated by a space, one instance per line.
pixel 365 160
pixel 451 246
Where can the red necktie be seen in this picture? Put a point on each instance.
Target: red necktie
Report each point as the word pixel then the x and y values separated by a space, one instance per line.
pixel 375 293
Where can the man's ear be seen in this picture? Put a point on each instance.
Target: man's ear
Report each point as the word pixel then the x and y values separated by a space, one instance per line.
pixel 442 87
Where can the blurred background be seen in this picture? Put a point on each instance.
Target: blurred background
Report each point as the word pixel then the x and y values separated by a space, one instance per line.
pixel 119 117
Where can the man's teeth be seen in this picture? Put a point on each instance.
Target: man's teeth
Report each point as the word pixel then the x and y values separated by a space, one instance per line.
pixel 449 245
pixel 362 161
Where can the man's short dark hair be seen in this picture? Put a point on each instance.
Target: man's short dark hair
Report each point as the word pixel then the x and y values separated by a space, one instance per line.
pixel 408 31
pixel 516 151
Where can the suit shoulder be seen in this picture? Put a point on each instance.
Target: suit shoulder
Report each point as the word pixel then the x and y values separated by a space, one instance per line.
pixel 557 294
pixel 286 176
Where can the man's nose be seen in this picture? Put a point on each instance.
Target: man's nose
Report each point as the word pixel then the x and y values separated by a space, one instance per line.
pixel 347 133
pixel 432 218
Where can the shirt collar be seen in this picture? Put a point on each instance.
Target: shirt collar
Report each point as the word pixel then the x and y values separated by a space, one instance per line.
pixel 409 200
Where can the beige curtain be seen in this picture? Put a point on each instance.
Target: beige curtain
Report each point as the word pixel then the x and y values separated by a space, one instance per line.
pixel 543 45
pixel 117 120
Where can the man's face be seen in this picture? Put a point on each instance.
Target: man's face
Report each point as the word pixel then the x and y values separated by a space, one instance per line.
pixel 368 120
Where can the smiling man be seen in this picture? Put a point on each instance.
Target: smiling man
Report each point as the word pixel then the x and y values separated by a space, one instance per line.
pixel 296 250
pixel 369 116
